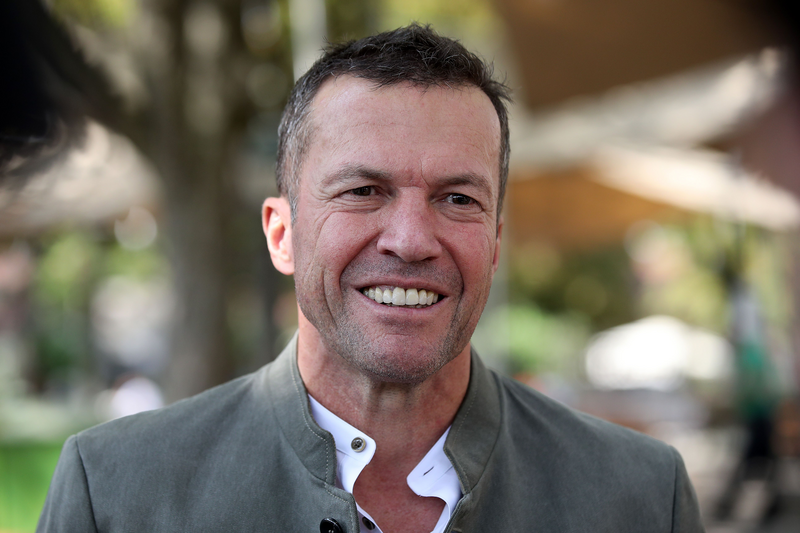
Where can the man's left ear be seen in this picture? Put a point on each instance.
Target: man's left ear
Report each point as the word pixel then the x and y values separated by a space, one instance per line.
pixel 496 259
pixel 277 223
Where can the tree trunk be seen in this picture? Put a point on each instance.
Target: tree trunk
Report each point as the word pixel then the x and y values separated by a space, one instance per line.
pixel 195 220
pixel 190 152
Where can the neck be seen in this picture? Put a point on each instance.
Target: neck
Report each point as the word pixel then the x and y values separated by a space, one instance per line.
pixel 405 419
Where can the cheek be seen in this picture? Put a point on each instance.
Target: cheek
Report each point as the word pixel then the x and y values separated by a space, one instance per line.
pixel 334 243
pixel 474 254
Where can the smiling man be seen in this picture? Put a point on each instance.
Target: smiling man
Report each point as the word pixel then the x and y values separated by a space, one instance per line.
pixel 378 416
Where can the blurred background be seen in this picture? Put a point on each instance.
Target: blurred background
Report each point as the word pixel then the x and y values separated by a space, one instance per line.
pixel 651 265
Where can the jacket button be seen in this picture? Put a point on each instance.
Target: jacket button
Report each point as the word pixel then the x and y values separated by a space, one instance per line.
pixel 329 525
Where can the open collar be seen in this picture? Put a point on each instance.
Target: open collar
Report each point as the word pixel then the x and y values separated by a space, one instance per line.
pixel 469 444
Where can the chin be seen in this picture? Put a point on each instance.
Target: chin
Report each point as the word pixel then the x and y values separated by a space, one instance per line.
pixel 391 371
pixel 409 364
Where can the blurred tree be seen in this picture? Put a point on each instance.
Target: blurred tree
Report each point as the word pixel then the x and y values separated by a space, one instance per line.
pixel 350 19
pixel 194 84
pixel 472 20
pixel 597 284
pixel 190 75
pixel 68 268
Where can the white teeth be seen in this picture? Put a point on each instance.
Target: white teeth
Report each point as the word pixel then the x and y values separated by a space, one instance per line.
pixel 412 298
pixel 398 296
pixel 402 297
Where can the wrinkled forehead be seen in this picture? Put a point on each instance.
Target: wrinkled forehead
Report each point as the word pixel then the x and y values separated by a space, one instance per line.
pixel 345 101
pixel 341 88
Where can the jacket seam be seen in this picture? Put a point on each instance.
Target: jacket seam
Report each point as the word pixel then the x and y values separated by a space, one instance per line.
pixel 86 481
pixel 457 431
pixel 674 488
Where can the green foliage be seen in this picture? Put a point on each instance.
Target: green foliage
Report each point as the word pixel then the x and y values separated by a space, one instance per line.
pixel 598 285
pixel 670 270
pixel 697 297
pixel 143 264
pixel 465 17
pixel 25 472
pixel 62 286
pixel 767 268
pixel 96 14
pixel 538 341
pixel 349 19
pixel 695 291
pixel 67 267
pixel 70 267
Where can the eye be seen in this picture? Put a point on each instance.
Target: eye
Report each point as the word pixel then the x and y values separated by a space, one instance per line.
pixel 362 191
pixel 460 199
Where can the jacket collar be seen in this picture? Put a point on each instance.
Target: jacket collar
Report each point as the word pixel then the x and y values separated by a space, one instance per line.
pixel 476 427
pixel 314 446
pixel 468 446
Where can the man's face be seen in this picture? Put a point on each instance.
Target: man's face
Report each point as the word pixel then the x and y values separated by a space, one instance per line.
pixel 399 188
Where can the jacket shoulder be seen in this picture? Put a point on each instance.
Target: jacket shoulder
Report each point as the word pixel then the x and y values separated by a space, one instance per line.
pixel 185 423
pixel 530 412
pixel 584 473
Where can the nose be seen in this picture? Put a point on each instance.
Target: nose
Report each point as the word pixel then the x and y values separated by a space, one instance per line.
pixel 409 229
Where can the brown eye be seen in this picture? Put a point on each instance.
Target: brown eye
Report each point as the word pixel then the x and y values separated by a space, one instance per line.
pixel 460 199
pixel 362 191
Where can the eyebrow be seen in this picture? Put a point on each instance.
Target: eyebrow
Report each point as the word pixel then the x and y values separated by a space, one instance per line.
pixel 353 173
pixel 473 180
pixel 360 172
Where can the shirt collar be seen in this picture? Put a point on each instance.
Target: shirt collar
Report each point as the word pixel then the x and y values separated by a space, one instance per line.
pixel 433 476
pixel 351 460
pixel 469 444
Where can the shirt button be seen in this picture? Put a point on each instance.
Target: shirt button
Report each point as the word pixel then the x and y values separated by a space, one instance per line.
pixel 358 444
pixel 367 523
pixel 329 525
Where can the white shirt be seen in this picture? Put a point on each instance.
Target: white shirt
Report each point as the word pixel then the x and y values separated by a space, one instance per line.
pixel 433 476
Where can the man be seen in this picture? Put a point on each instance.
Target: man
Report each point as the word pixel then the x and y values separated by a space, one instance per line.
pixel 392 164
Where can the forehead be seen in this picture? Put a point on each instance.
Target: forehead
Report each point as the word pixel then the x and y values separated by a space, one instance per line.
pixel 405 125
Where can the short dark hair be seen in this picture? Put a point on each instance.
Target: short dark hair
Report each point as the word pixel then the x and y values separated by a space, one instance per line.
pixel 414 54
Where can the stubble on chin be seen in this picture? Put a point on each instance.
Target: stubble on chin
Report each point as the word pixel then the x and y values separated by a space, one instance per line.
pixel 395 365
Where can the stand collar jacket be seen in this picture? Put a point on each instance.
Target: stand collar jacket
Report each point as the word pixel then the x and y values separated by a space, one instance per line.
pixel 248 456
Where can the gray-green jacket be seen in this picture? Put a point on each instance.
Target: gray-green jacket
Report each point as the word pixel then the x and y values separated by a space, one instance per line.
pixel 247 456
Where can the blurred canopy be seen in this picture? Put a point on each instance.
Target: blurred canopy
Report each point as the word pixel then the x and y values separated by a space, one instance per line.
pixel 576 47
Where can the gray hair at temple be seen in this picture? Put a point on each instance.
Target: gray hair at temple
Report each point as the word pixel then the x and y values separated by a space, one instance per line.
pixel 414 54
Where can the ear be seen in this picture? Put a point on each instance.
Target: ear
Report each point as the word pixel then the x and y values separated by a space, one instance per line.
pixel 496 259
pixel 277 223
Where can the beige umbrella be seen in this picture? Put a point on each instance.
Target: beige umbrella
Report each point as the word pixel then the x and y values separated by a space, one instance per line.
pixel 566 48
pixel 596 202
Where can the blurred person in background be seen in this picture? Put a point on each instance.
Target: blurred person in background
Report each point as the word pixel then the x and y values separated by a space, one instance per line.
pixel 378 415
pixel 757 398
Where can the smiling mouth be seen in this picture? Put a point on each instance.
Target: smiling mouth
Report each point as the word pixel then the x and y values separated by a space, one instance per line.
pixel 400 297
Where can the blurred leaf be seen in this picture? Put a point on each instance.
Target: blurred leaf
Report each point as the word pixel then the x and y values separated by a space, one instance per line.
pixel 142 264
pixel 466 17
pixel 65 270
pixel 96 14
pixel 537 341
